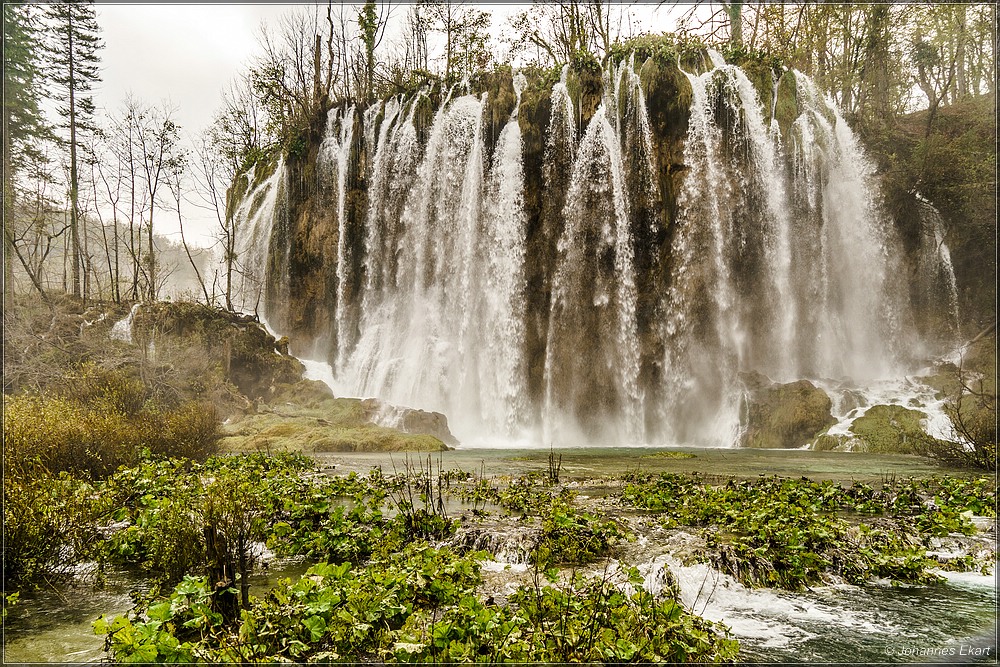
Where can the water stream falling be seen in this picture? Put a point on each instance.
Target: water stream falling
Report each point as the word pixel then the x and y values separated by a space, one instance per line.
pixel 575 287
pixel 937 274
pixel 334 157
pixel 254 221
pixel 594 294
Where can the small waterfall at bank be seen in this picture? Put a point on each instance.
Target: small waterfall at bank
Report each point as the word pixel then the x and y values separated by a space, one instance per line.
pixel 570 284
pixel 936 285
pixel 122 329
pixel 254 222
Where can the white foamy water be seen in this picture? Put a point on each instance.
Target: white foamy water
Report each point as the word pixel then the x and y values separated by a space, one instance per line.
pixel 122 329
pixel 852 401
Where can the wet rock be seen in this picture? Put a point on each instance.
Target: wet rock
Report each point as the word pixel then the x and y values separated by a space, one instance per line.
pixel 409 420
pixel 890 429
pixel 783 416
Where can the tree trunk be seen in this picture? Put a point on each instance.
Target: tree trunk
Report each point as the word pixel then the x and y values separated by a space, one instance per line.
pixel 73 179
pixel 961 80
pixel 735 10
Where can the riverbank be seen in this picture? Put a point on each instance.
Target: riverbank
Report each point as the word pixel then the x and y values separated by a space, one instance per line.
pixel 866 547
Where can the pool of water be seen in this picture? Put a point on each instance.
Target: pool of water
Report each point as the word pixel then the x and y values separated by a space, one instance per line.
pixel 57 625
pixel 603 462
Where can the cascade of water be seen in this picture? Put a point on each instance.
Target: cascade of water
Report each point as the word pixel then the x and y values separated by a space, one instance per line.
pixel 335 155
pixel 770 298
pixel 370 128
pixel 122 329
pixel 560 147
pixel 503 368
pixel 698 370
pixel 420 340
pixel 393 170
pixel 854 309
pixel 935 270
pixel 594 295
pixel 254 222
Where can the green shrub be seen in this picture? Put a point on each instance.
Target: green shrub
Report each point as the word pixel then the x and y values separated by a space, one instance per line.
pixel 95 438
pixel 48 526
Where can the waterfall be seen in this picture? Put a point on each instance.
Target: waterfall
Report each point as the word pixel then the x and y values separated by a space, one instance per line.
pixel 502 371
pixel 334 158
pixel 852 304
pixel 253 222
pixel 594 296
pixel 576 284
pixel 788 280
pixel 730 289
pixel 442 321
pixel 122 329
pixel 936 275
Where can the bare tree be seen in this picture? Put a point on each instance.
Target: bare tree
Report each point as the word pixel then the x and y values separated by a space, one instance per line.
pixel 559 30
pixel 158 140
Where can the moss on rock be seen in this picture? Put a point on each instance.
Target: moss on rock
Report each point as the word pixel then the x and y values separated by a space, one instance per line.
pixel 786 108
pixel 278 431
pixel 783 416
pixel 890 429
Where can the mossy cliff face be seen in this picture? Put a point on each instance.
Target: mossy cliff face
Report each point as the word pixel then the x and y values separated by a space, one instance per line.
pixel 949 159
pixel 235 346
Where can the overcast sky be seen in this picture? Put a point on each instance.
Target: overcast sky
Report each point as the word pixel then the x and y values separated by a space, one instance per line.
pixel 186 54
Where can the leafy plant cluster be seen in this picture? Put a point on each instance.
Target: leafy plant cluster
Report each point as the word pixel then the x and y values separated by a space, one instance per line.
pixel 790 533
pixel 665 49
pixel 416 605
pixel 568 535
pixel 380 591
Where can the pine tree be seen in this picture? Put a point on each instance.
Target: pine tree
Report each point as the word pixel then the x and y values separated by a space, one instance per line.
pixel 24 126
pixel 73 70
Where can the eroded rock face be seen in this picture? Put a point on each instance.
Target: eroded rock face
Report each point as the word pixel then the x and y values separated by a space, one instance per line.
pixel 783 416
pixel 409 420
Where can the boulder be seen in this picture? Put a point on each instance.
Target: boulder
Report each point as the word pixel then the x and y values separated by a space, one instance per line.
pixel 409 420
pixel 783 416
pixel 890 429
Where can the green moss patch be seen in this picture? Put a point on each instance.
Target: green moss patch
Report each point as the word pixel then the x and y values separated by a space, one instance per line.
pixel 890 429
pixel 339 431
pixel 785 415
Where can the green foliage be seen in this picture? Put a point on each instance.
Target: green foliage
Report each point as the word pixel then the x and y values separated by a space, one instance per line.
pixel 570 537
pixel 418 605
pixel 891 429
pixel 663 49
pixel 585 61
pixel 48 525
pixel 170 506
pixel 787 533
